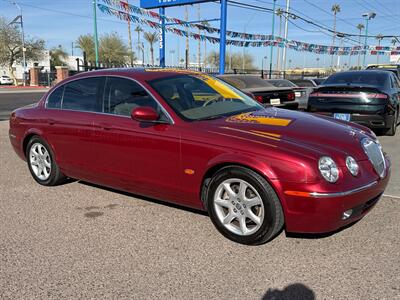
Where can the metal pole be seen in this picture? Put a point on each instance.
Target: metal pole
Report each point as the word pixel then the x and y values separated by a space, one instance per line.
pixel 365 41
pixel 286 35
pixel 222 42
pixel 23 43
pixel 96 38
pixel 130 38
pixel 272 45
pixel 162 38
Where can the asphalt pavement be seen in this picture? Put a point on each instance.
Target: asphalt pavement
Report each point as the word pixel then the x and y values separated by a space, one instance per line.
pixel 83 241
pixel 11 98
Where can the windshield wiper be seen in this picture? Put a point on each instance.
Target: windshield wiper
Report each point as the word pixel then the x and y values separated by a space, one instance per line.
pixel 211 118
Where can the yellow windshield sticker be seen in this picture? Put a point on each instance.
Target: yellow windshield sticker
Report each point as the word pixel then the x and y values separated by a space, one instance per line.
pixel 224 90
pixel 250 118
pixel 221 88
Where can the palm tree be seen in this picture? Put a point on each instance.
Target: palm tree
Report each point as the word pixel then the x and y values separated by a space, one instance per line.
pixel 335 9
pixel 279 13
pixel 206 24
pixel 151 38
pixel 139 30
pixel 86 44
pixel 360 27
pixel 379 37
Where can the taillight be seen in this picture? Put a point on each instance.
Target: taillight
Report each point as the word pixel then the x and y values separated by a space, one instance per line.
pixel 377 96
pixel 291 96
pixel 259 98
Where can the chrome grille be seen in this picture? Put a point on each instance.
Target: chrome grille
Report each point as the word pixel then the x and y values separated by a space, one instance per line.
pixel 375 155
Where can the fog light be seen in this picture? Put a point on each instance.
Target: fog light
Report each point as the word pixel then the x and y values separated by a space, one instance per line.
pixel 347 214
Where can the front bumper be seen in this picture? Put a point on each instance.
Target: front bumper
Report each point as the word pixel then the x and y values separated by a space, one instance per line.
pixel 323 212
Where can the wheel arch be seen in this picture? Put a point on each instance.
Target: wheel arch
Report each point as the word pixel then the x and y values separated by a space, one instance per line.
pixel 218 164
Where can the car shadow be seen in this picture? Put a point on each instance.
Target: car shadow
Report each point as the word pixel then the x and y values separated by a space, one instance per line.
pixel 319 235
pixel 296 291
pixel 204 213
pixel 147 199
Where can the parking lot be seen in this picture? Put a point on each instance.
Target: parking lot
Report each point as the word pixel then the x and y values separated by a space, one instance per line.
pixel 84 241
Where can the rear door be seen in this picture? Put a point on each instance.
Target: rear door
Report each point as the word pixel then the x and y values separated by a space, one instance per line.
pixel 70 128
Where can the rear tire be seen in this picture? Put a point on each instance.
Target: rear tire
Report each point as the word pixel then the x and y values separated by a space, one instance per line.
pixel 41 163
pixel 243 206
pixel 392 130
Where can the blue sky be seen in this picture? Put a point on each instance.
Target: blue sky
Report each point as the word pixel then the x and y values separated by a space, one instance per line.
pixel 60 22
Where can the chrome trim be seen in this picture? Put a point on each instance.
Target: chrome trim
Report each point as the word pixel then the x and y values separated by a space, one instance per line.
pixel 102 113
pixel 12 135
pixel 341 194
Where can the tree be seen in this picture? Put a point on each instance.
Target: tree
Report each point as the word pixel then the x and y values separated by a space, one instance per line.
pixel 112 50
pixel 11 47
pixel 360 27
pixel 335 9
pixel 151 38
pixel 236 60
pixel 139 30
pixel 57 57
pixel 393 41
pixel 86 44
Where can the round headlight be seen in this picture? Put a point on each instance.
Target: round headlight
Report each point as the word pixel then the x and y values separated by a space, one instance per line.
pixel 328 169
pixel 352 165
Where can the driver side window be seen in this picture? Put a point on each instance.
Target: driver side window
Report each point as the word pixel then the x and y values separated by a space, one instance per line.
pixel 122 95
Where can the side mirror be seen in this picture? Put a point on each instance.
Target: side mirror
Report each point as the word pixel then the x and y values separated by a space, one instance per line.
pixel 145 114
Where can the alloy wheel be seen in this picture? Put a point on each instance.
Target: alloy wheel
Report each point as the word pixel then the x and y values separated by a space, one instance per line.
pixel 239 207
pixel 40 161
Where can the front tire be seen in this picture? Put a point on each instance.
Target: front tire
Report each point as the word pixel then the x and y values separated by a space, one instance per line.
pixel 243 206
pixel 41 163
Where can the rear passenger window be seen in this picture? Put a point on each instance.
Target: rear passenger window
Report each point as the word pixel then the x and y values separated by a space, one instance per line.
pixel 122 95
pixel 83 95
pixel 54 100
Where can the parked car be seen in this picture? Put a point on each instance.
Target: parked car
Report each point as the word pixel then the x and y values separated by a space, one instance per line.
pixel 5 80
pixel 318 81
pixel 300 93
pixel 191 139
pixel 305 83
pixel 262 91
pixel 369 98
pixel 395 68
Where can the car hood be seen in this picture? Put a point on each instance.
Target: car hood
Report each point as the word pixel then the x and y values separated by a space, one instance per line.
pixel 309 135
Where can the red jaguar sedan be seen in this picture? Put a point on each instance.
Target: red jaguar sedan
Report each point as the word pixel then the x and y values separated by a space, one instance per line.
pixel 194 140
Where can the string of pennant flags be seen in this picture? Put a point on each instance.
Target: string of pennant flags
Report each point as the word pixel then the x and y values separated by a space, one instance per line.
pixel 248 40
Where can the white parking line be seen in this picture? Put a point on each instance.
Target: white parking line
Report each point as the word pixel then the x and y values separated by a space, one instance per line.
pixel 391 196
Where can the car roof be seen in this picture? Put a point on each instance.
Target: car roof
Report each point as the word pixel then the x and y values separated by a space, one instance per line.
pixel 375 71
pixel 137 73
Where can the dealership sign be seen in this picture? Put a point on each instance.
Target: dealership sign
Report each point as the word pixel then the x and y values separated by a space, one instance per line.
pixel 149 4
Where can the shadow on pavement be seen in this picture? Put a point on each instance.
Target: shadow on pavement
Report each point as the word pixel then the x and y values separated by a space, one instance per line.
pixel 296 291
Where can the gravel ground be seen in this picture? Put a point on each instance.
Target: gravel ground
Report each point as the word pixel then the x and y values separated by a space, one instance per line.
pixel 82 241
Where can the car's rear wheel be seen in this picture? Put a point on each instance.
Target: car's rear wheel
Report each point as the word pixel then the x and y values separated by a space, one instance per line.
pixel 243 206
pixel 393 127
pixel 42 164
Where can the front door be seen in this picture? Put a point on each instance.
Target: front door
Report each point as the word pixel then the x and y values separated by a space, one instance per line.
pixel 143 158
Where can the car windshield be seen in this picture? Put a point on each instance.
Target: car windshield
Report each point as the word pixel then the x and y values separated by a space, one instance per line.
pixel 303 83
pixel 246 82
pixel 358 78
pixel 282 83
pixel 319 81
pixel 199 96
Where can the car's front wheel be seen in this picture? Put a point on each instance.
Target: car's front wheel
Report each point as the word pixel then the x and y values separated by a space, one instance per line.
pixel 42 164
pixel 243 206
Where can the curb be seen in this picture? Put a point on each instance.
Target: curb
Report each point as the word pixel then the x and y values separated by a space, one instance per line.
pixel 23 87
